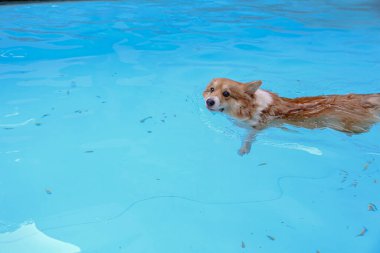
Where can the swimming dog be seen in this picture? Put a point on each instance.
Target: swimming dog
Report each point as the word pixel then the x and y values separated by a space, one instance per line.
pixel 258 109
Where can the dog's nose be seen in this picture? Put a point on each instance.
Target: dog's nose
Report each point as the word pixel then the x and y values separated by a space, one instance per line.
pixel 210 102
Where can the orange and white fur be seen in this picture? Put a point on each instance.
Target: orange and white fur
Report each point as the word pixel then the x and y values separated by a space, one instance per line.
pixel 258 109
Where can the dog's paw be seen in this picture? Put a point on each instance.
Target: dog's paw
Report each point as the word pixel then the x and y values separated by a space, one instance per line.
pixel 243 150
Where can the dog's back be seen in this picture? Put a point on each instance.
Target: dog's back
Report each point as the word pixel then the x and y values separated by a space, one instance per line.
pixel 353 113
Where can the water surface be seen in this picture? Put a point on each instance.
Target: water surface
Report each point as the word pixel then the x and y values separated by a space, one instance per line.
pixel 105 144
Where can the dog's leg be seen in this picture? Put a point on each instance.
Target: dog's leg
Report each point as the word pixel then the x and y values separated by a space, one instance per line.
pixel 247 142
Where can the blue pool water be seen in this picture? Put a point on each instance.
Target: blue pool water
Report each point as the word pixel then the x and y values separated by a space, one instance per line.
pixel 105 144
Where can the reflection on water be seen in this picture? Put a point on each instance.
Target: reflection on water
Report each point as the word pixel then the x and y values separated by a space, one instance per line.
pixel 29 238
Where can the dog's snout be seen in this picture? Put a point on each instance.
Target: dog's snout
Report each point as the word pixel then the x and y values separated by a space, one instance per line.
pixel 210 102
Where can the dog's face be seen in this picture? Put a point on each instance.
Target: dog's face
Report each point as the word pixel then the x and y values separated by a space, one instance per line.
pixel 228 96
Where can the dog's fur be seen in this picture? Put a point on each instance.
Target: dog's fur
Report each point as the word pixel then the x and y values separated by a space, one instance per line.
pixel 258 109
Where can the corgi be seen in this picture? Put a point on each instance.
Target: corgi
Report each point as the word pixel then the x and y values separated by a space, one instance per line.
pixel 258 109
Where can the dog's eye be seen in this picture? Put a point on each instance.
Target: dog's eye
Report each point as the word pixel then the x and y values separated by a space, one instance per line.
pixel 226 93
pixel 212 89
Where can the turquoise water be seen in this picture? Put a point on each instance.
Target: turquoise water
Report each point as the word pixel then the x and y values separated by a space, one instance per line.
pixel 106 146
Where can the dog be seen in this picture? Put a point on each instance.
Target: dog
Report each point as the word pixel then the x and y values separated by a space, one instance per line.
pixel 258 109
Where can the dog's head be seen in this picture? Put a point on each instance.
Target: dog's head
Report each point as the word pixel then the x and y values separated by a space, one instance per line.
pixel 231 97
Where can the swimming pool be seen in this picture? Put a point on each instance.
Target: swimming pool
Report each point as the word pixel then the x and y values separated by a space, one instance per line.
pixel 106 146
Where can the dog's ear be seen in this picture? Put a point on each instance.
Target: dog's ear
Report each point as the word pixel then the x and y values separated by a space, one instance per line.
pixel 252 87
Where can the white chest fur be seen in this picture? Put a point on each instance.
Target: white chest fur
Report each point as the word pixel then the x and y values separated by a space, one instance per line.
pixel 263 100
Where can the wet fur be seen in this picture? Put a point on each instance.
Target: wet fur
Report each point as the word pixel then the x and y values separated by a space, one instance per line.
pixel 258 109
